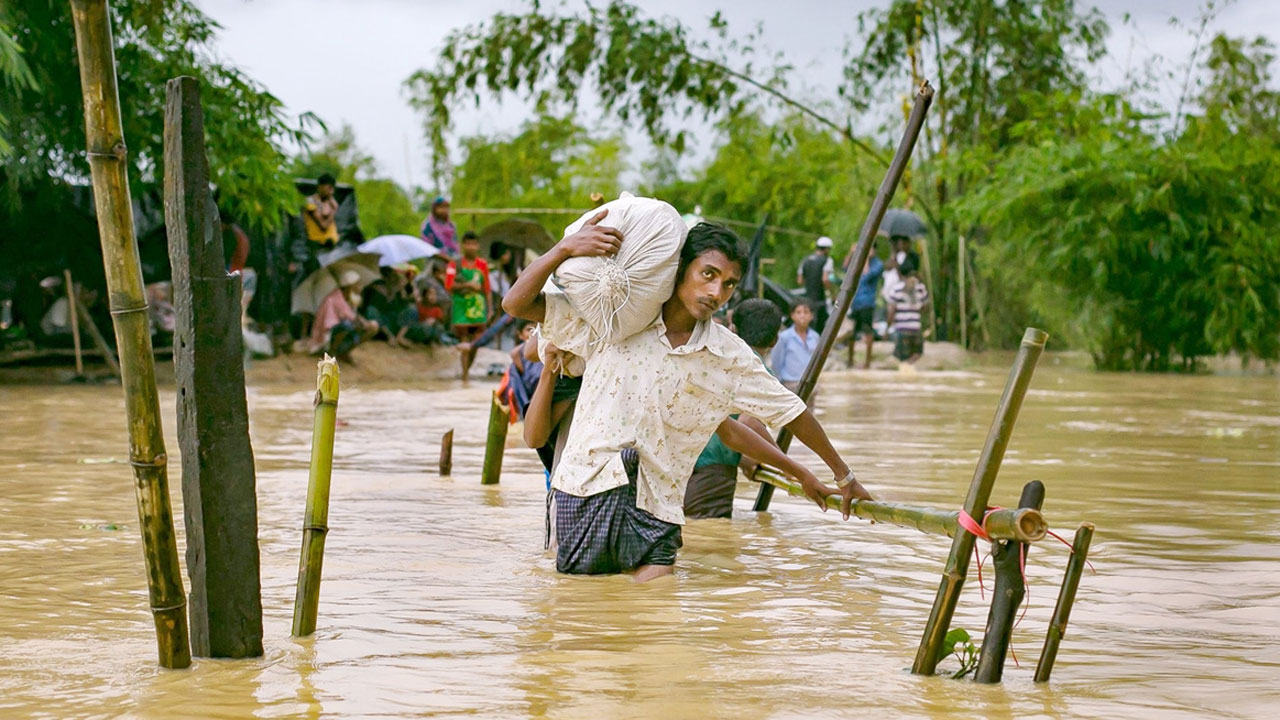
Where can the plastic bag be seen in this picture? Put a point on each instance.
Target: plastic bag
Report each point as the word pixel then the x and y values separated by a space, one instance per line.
pixel 619 296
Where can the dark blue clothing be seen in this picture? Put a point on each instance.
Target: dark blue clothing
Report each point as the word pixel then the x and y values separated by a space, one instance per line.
pixel 868 285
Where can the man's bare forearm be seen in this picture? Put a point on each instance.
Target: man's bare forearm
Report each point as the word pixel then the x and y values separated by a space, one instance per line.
pixel 808 431
pixel 742 439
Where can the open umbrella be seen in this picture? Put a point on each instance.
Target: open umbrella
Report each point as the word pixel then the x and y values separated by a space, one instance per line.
pixel 517 232
pixel 902 223
pixel 396 249
pixel 317 286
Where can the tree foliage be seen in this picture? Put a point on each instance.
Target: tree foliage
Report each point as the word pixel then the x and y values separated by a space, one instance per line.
pixel 385 206
pixel 155 40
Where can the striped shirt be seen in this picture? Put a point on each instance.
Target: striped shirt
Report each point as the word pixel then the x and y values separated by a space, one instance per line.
pixel 906 306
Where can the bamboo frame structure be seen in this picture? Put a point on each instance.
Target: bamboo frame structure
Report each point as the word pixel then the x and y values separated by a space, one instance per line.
pixel 1066 599
pixel 1023 525
pixel 100 342
pixel 446 453
pixel 75 320
pixel 1010 588
pixel 315 525
pixel 984 477
pixel 108 164
pixel 923 98
pixel 495 445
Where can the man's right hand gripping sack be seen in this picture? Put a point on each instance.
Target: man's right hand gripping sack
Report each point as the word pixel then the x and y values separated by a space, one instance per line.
pixel 621 295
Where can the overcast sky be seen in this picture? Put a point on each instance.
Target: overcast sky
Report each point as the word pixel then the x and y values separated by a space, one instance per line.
pixel 346 60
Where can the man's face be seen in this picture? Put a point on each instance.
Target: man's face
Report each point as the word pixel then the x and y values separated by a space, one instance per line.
pixel 802 316
pixel 708 283
pixel 324 191
pixel 470 248
pixel 441 211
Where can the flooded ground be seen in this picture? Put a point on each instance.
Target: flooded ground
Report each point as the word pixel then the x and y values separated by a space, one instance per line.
pixel 438 599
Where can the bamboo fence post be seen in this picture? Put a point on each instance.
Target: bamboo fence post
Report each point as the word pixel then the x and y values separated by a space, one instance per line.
pixel 315 524
pixel 964 313
pixel 100 342
pixel 928 273
pixel 75 321
pixel 1066 599
pixel 495 443
pixel 1010 589
pixel 446 453
pixel 924 96
pixel 1023 525
pixel 980 302
pixel 975 503
pixel 107 161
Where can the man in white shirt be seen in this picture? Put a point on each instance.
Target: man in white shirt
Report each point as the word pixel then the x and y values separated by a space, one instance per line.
pixel 649 404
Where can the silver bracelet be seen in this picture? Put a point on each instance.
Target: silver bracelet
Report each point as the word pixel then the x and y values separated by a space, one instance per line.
pixel 846 481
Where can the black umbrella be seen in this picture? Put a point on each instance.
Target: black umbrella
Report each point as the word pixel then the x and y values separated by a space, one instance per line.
pixel 902 223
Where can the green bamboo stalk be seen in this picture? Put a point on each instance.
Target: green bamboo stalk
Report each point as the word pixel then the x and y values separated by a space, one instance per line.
pixel 1066 599
pixel 1025 525
pixel 315 524
pixel 495 443
pixel 984 477
pixel 108 163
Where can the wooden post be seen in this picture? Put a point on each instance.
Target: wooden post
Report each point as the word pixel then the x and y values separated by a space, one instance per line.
pixel 495 443
pixel 1066 599
pixel 964 312
pixel 218 487
pixel 100 342
pixel 860 253
pixel 446 453
pixel 107 162
pixel 1010 588
pixel 975 504
pixel 315 524
pixel 75 320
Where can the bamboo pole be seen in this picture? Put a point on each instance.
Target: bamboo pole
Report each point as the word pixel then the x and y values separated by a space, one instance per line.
pixel 107 162
pixel 75 321
pixel 1066 599
pixel 495 443
pixel 980 302
pixel 446 453
pixel 964 312
pixel 315 524
pixel 928 274
pixel 924 96
pixel 984 477
pixel 1022 525
pixel 1008 558
pixel 100 342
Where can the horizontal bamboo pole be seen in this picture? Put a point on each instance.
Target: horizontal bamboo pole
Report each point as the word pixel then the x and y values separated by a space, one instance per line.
pixel 1025 525
pixel 1066 599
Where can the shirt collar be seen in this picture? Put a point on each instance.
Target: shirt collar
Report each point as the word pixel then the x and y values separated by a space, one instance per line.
pixel 703 337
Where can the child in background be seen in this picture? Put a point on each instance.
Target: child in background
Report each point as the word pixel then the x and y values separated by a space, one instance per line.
pixel 468 280
pixel 795 346
pixel 906 303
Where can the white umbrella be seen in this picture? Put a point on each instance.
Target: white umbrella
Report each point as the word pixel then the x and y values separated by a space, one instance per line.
pixel 312 291
pixel 396 249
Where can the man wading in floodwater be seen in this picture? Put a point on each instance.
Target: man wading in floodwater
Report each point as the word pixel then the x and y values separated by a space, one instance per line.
pixel 649 404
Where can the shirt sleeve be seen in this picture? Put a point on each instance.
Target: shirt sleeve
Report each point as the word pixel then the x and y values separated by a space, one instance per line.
pixel 483 267
pixel 762 395
pixel 450 274
pixel 564 328
pixel 778 357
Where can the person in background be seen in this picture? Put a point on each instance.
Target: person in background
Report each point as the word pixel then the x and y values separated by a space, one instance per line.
pixel 502 270
pixel 320 214
pixel 388 303
pixel 439 230
pixel 337 328
pixel 863 310
pixel 814 275
pixel 906 303
pixel 467 278
pixel 709 493
pixel 900 253
pixel 795 346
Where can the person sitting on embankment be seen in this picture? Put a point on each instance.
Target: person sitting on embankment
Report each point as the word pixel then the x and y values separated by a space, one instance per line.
pixel 650 402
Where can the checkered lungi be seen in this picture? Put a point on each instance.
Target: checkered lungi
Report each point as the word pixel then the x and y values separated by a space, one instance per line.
pixel 606 533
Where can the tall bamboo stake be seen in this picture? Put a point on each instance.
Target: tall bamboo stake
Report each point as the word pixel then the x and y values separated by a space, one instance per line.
pixel 75 320
pixel 315 524
pixel 1023 525
pixel 107 161
pixel 1066 599
pixel 984 477
pixel 495 445
pixel 924 96
pixel 1010 588
pixel 446 453
pixel 964 312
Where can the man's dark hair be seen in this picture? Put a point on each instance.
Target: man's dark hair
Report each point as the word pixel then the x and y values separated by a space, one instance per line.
pixel 497 249
pixel 705 237
pixel 326 179
pixel 519 325
pixel 757 321
pixel 470 235
pixel 803 302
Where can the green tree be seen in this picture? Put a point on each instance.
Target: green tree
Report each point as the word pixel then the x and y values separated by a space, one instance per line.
pixel 155 40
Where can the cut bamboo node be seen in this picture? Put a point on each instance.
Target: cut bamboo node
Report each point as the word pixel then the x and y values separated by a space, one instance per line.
pixel 1035 336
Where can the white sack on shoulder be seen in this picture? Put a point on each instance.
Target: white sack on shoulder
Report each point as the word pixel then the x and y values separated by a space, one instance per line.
pixel 621 295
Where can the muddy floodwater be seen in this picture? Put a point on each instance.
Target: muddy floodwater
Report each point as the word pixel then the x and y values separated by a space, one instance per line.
pixel 438 599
